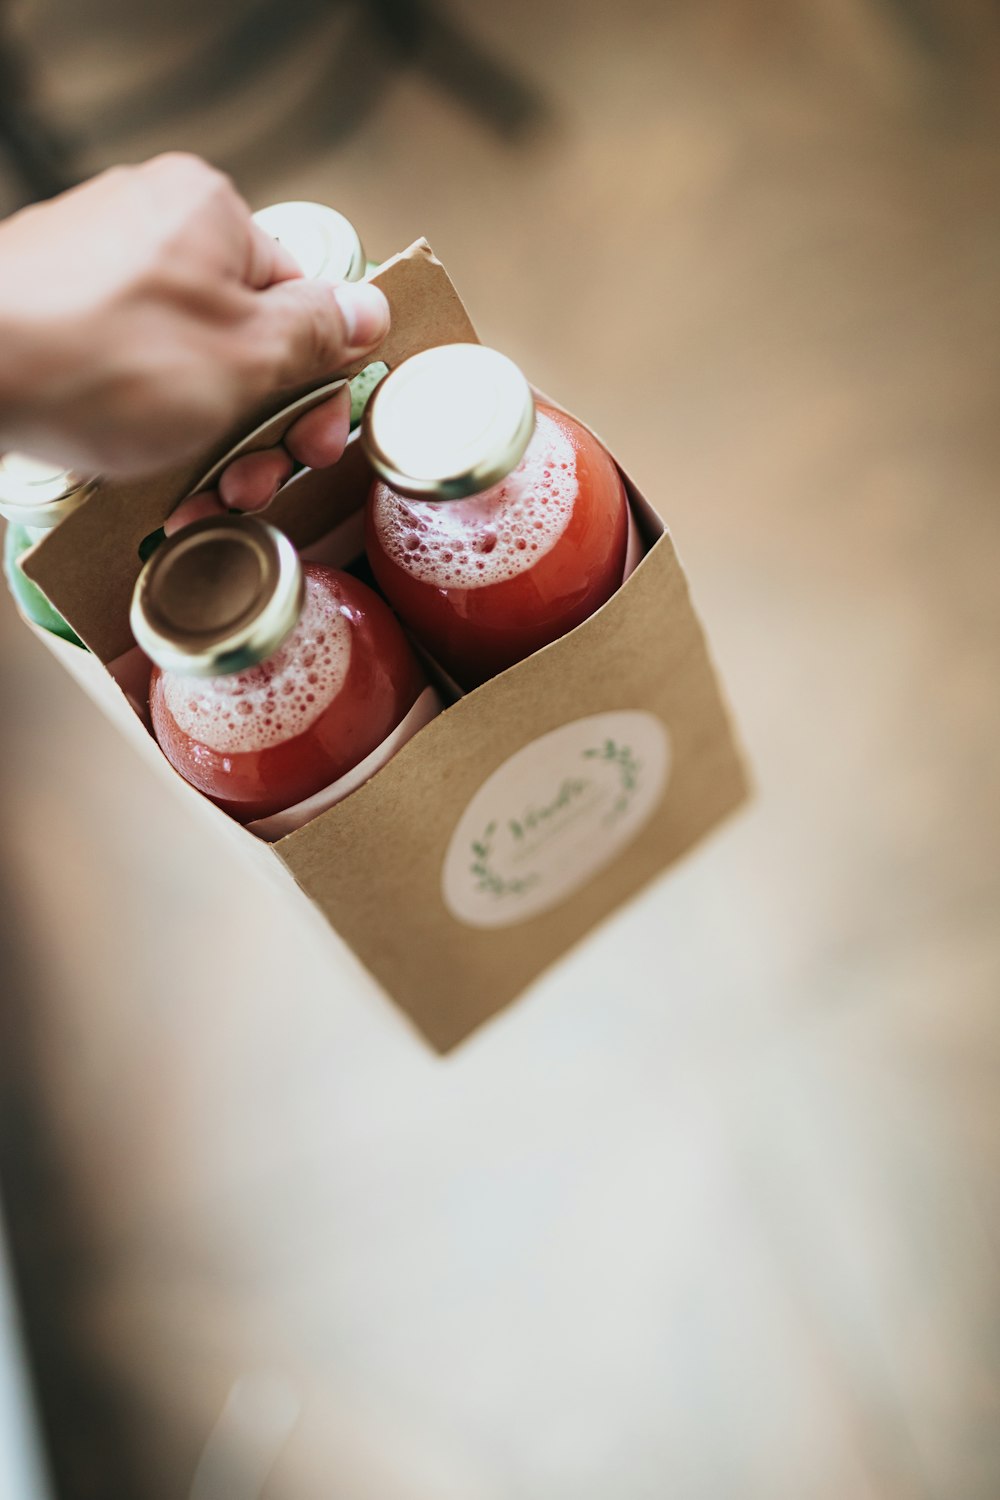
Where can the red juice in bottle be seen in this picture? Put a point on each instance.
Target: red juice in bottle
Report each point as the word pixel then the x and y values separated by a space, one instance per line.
pixel 272 678
pixel 534 540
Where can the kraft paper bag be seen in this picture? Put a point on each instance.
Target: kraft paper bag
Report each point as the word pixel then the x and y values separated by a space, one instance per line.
pixel 515 820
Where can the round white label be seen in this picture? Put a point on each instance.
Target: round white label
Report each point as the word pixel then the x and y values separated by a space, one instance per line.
pixel 554 814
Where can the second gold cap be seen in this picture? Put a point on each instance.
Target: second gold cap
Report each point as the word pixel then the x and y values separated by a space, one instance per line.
pixel 448 422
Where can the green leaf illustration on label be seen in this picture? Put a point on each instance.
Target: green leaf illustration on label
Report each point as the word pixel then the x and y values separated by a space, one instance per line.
pixel 629 768
pixel 487 878
pixel 552 815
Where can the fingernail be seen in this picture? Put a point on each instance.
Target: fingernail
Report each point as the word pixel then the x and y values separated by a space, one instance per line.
pixel 364 310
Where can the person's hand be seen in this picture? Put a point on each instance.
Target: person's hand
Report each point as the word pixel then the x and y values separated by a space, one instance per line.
pixel 143 313
pixel 251 482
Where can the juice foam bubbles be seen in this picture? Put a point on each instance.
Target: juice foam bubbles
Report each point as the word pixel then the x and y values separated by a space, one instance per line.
pixel 492 537
pixel 266 705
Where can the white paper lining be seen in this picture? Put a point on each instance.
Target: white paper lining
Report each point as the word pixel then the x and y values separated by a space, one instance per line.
pixel 427 707
pixel 635 549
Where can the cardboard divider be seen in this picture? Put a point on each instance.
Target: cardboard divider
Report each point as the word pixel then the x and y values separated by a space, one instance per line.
pixel 518 817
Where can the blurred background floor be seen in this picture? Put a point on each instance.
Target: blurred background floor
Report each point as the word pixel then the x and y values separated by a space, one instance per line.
pixel 712 1213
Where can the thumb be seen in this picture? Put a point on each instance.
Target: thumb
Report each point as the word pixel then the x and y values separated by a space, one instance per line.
pixel 325 326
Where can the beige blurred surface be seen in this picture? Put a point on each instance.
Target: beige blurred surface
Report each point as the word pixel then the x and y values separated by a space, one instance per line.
pixel 712 1213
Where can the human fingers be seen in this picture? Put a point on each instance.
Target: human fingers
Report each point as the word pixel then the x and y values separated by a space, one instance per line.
pixel 195 214
pixel 319 438
pixel 268 261
pixel 199 209
pixel 194 508
pixel 316 328
pixel 252 481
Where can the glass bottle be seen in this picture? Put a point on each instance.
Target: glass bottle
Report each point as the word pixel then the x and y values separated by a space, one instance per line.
pixel 497 523
pixel 34 497
pixel 271 678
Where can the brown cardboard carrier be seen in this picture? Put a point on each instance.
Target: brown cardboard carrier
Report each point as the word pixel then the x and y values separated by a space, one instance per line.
pixel 373 864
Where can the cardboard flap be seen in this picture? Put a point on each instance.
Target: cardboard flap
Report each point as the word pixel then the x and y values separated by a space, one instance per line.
pixel 88 565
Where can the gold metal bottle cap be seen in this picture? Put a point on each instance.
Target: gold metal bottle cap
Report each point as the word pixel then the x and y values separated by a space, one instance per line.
pixel 323 242
pixel 449 422
pixel 220 596
pixel 36 493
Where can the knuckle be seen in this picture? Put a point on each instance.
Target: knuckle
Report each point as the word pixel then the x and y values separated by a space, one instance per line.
pixel 180 163
pixel 120 173
pixel 313 335
pixel 191 177
pixel 313 328
pixel 176 169
pixel 267 362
